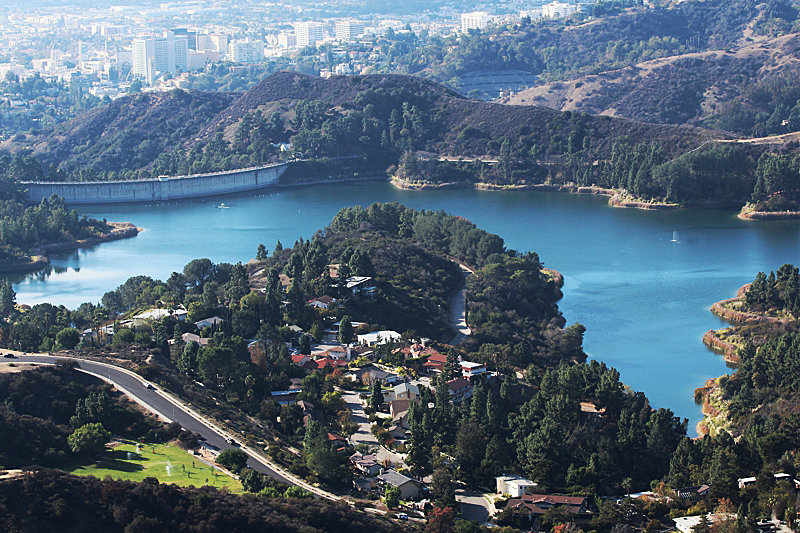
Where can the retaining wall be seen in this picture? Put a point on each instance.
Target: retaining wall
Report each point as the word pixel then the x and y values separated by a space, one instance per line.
pixel 158 189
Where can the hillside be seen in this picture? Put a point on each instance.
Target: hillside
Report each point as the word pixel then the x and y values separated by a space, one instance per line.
pixel 133 133
pixel 719 89
pixel 127 134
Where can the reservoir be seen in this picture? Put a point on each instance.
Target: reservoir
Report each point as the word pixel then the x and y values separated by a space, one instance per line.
pixel 641 282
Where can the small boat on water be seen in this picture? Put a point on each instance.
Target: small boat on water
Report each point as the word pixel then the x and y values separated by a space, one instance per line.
pixel 223 206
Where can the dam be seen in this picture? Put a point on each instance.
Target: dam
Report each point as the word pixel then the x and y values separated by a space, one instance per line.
pixel 160 189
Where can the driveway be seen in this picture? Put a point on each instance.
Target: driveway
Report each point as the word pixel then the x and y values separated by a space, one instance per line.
pixel 364 435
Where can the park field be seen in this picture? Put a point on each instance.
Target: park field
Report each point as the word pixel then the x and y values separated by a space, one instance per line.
pixel 167 462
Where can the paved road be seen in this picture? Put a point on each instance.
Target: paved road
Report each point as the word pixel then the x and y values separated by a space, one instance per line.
pixel 458 310
pixel 364 435
pixel 159 403
pixel 474 506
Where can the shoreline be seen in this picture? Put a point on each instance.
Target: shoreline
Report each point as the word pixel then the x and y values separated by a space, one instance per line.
pixel 768 215
pixel 39 259
pixel 617 198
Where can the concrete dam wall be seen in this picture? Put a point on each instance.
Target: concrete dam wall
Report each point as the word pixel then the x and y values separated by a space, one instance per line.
pixel 160 189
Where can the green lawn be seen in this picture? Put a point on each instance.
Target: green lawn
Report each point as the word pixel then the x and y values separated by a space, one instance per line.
pixel 169 464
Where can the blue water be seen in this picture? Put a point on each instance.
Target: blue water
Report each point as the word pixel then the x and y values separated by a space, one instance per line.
pixel 641 282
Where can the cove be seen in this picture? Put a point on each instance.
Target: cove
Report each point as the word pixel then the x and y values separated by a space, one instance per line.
pixel 642 282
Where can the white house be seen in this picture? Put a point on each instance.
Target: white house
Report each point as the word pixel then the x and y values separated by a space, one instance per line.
pixel 469 369
pixel 158 314
pixel 378 337
pixel 208 322
pixel 514 486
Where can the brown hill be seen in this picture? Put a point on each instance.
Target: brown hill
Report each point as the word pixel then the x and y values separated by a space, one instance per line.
pixel 127 134
pixel 693 89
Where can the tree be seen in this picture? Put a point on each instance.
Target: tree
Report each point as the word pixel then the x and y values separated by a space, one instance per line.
pixel 392 497
pixel 7 298
pixel 441 520
pixel 345 330
pixel 261 254
pixel 233 459
pixel 443 490
pixel 89 438
pixel 68 338
pixel 376 395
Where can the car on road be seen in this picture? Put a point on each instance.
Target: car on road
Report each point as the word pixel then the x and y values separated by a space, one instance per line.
pixel 401 516
pixel 149 386
pixel 10 356
pixel 232 442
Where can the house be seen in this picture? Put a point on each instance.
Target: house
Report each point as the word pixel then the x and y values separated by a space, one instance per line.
pixel 158 314
pixel 322 302
pixel 191 337
pixel 399 411
pixel 514 486
pixel 409 488
pixel 686 524
pixel 405 391
pixel 300 359
pixel 416 350
pixel 535 505
pixel 338 443
pixel 285 397
pixel 361 286
pixel 367 465
pixel 469 369
pixel 700 492
pixel 378 337
pixel 376 373
pixel 460 389
pixel 363 351
pixel 435 363
pixel 209 322
pixel 332 333
pixel 337 351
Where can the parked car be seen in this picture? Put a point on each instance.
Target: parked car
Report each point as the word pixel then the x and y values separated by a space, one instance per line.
pixel 10 356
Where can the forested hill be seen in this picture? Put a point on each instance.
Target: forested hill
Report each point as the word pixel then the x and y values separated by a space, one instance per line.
pixel 377 116
pixel 52 501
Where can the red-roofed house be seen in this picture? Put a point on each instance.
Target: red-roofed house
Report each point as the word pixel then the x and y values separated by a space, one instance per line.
pixel 435 363
pixel 460 389
pixel 535 505
pixel 323 302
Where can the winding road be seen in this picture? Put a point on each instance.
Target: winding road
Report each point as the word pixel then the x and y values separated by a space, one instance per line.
pixel 171 409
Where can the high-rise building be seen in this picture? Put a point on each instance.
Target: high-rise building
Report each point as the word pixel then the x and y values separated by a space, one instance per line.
pixel 152 55
pixel 220 42
pixel 308 33
pixel 477 20
pixel 191 37
pixel 347 30
pixel 246 51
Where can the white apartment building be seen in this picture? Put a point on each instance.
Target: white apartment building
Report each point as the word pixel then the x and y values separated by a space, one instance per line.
pixel 308 33
pixel 152 55
pixel 477 20
pixel 287 40
pixel 347 30
pixel 555 9
pixel 220 42
pixel 246 51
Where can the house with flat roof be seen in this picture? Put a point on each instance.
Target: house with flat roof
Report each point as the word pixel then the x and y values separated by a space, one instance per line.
pixel 514 486
pixel 469 369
